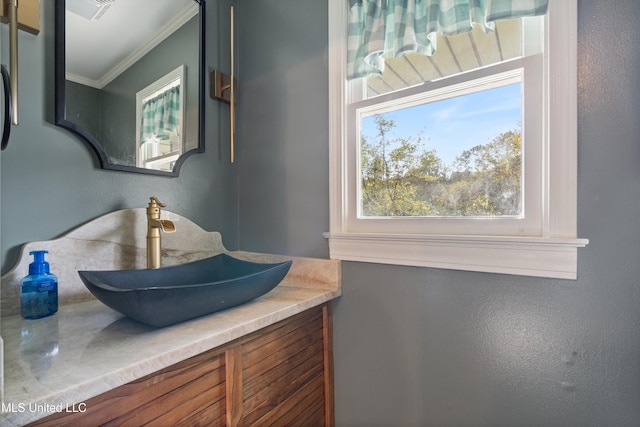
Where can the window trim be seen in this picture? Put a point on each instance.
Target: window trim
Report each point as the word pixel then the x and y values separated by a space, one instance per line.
pixel 551 254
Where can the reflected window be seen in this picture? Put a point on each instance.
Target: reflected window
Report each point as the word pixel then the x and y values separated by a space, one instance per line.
pixel 160 121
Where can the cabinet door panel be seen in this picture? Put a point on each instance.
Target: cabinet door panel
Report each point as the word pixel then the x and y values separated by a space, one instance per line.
pixel 173 392
pixel 284 371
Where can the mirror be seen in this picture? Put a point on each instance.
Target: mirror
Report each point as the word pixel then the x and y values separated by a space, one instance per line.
pixel 129 80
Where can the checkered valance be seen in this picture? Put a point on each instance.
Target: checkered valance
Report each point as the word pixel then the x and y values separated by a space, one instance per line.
pixel 161 114
pixel 389 28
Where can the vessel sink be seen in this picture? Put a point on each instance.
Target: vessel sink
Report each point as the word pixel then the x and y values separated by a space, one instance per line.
pixel 164 296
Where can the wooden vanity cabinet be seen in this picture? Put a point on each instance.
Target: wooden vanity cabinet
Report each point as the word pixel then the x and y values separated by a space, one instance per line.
pixel 279 375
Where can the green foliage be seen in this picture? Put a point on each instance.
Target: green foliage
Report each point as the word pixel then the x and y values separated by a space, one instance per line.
pixel 401 177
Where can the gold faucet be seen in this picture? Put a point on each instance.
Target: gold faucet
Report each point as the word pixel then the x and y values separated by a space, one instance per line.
pixel 154 225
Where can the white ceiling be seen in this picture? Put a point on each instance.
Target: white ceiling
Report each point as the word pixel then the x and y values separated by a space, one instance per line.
pixel 99 50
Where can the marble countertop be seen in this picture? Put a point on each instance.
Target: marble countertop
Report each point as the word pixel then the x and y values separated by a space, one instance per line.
pixel 57 362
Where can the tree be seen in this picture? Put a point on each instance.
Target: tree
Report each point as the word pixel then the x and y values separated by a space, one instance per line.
pixel 401 177
pixel 488 178
pixel 393 171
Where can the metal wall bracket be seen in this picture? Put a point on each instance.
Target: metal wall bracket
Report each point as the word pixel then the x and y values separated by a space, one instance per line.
pixel 220 85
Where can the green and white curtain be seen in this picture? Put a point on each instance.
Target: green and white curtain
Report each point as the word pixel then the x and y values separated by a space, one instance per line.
pixel 379 29
pixel 161 114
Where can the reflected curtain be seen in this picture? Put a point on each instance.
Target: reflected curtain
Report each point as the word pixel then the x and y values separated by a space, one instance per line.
pixel 390 28
pixel 161 114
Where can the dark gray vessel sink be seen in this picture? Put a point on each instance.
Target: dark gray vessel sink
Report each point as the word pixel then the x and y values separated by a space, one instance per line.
pixel 168 295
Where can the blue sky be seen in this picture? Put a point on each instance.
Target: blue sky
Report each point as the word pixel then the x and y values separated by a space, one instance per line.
pixel 456 124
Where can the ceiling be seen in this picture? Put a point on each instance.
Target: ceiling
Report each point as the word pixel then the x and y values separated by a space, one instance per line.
pixel 99 50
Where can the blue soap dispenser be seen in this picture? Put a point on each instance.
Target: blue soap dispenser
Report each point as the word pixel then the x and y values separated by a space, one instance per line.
pixel 39 290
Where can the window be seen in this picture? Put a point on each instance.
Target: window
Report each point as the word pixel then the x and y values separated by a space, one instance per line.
pixel 160 122
pixel 467 165
pixel 464 161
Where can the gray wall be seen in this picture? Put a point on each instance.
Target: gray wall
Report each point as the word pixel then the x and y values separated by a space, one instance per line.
pixel 50 179
pixel 283 107
pixel 84 107
pixel 413 346
pixel 418 346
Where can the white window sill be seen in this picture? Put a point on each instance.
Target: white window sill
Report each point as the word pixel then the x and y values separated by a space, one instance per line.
pixel 526 256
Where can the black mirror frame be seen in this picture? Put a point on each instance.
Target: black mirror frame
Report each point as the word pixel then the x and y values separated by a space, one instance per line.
pixel 60 97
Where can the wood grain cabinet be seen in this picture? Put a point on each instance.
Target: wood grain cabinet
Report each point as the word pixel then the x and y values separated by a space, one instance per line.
pixel 281 375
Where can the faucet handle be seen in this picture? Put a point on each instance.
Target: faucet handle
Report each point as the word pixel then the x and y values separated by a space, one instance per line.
pixel 155 201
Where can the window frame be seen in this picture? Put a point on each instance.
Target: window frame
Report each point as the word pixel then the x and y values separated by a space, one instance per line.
pixel 551 252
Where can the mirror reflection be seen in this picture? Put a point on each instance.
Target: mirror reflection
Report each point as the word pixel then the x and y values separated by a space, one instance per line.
pixel 159 122
pixel 132 76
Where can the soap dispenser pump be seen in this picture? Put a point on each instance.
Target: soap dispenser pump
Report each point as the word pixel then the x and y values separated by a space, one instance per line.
pixel 39 290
